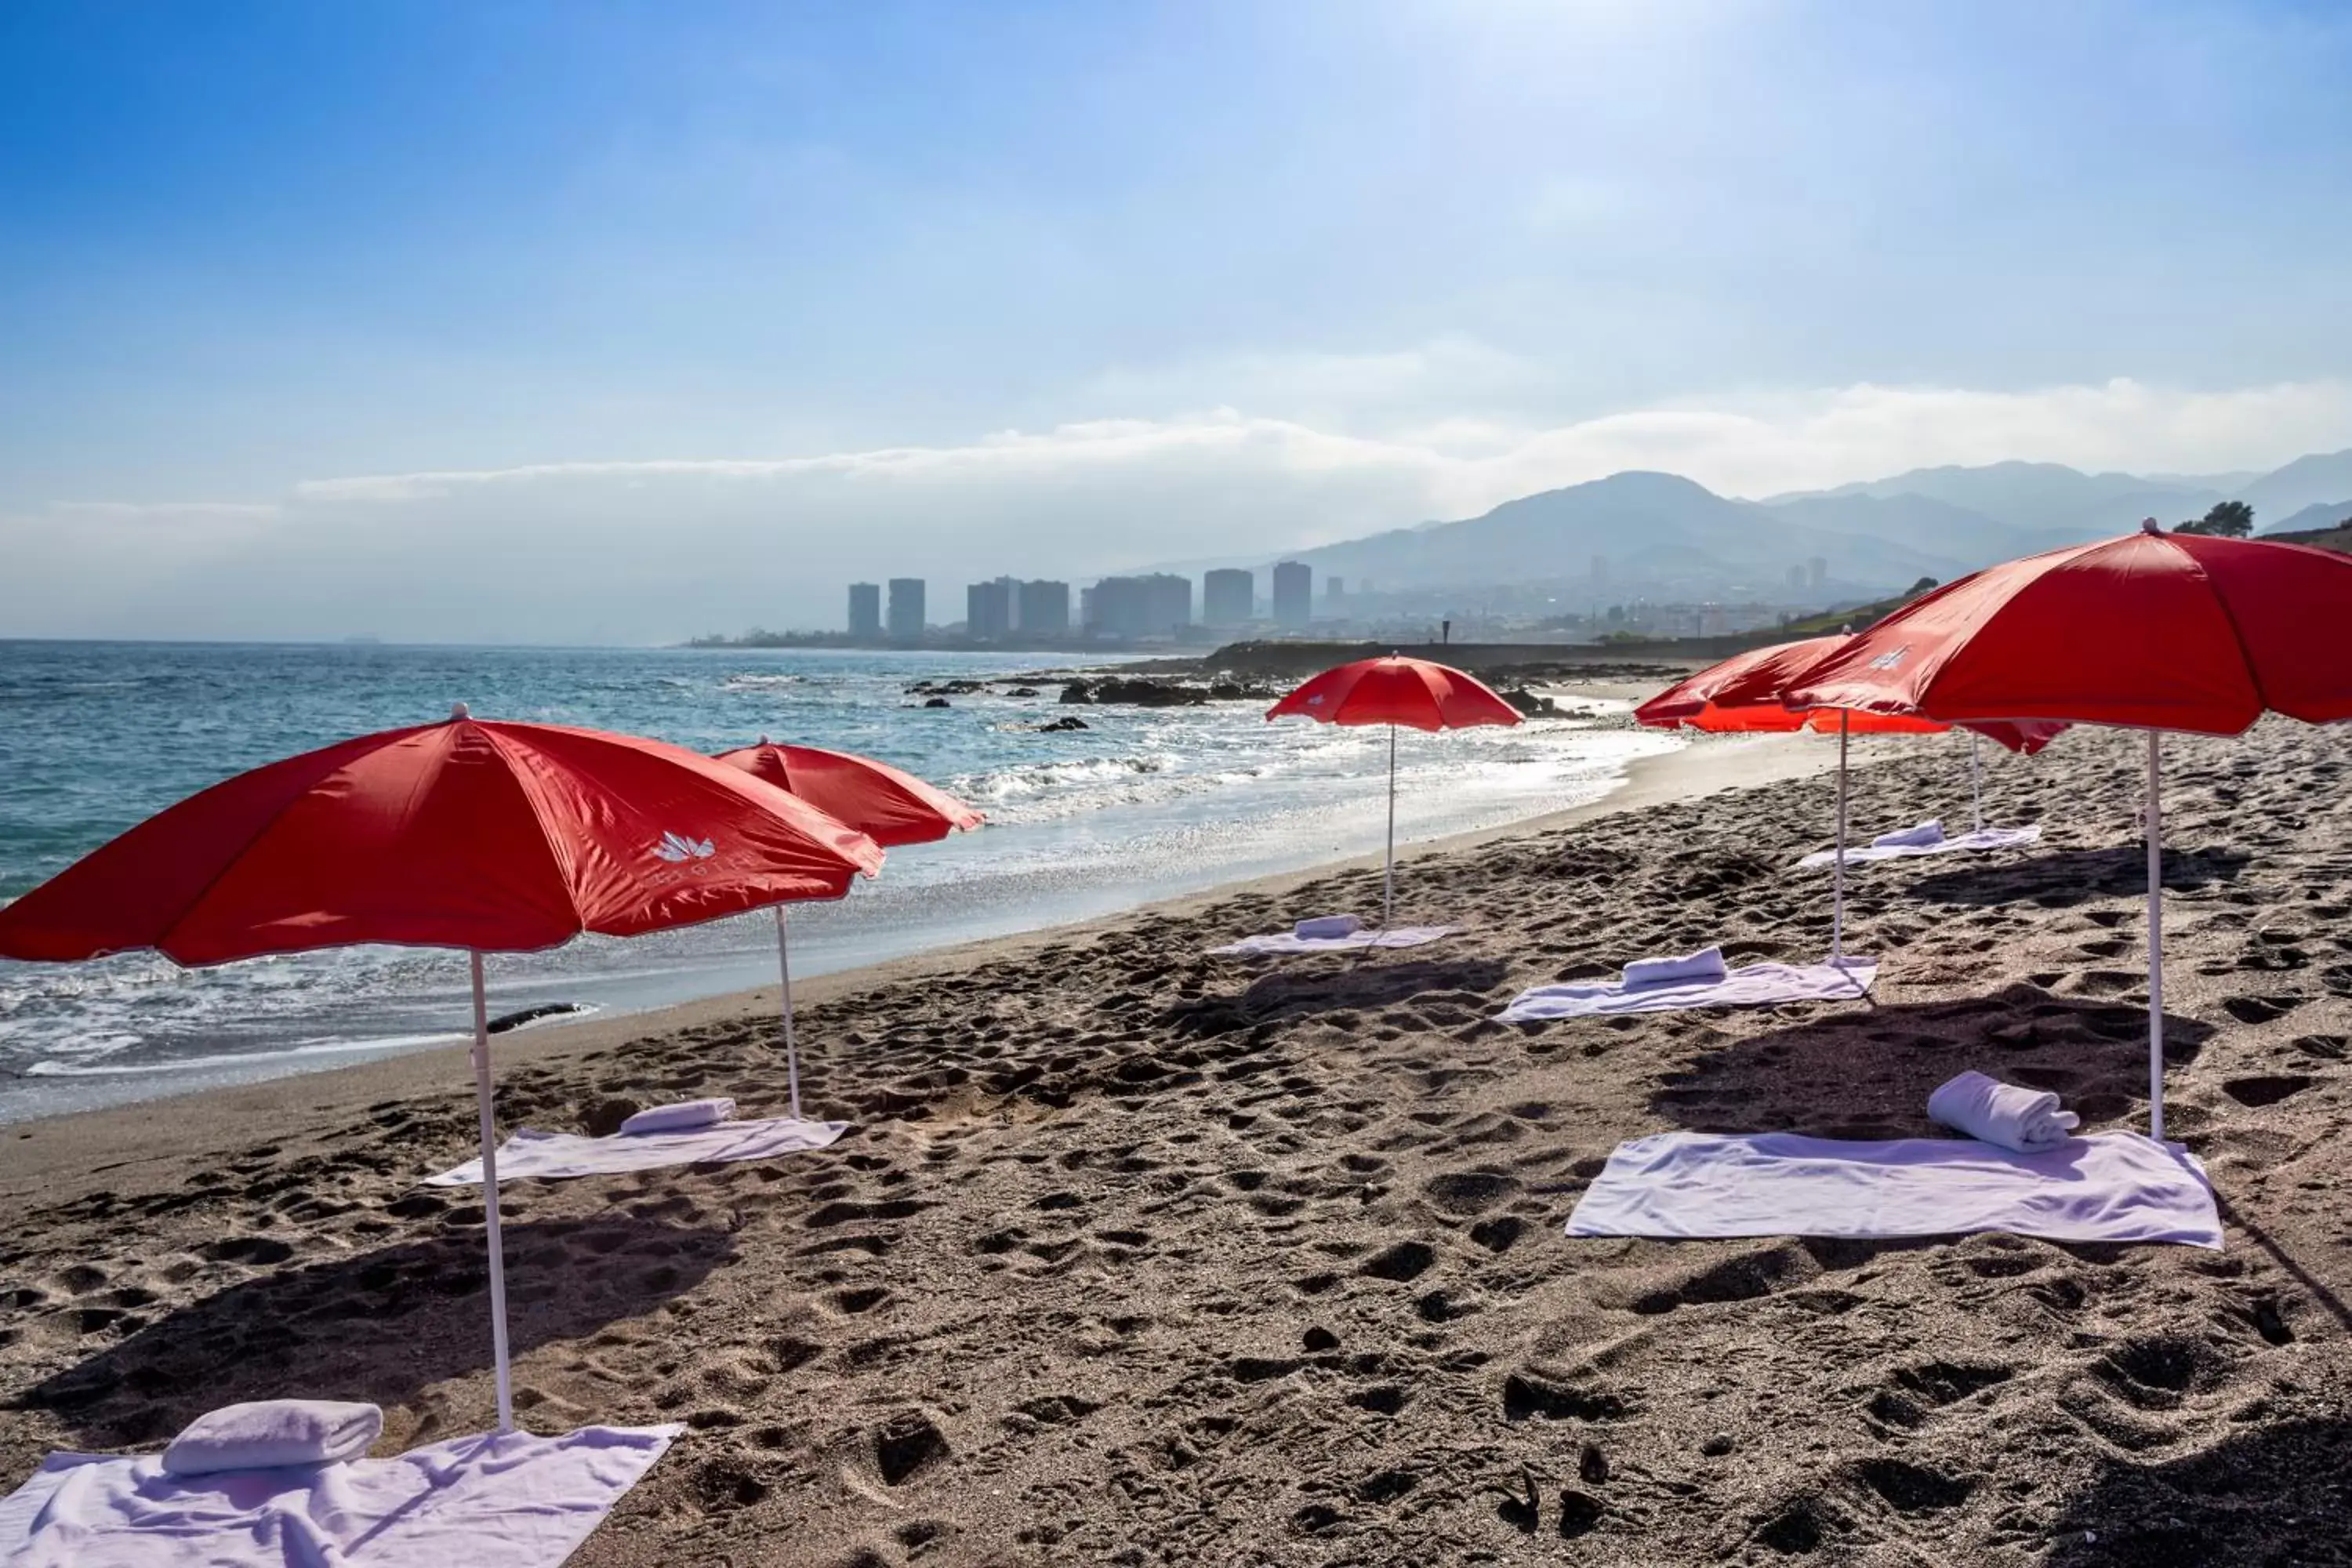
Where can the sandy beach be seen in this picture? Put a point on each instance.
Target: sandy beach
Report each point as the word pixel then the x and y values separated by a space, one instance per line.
pixel 1139 1256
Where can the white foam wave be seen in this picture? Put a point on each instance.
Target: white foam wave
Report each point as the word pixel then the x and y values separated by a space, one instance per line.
pixel 48 1068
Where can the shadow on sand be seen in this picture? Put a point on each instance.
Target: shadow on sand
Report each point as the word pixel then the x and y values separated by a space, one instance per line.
pixel 1293 994
pixel 1868 1074
pixel 377 1326
pixel 2057 881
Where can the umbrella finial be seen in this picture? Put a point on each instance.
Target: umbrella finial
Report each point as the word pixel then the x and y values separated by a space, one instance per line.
pixel 460 711
pixel 2148 525
pixel 763 741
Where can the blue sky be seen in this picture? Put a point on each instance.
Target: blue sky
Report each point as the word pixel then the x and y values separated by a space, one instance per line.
pixel 1236 270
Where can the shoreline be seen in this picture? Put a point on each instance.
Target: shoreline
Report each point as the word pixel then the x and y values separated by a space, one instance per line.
pixel 43 1155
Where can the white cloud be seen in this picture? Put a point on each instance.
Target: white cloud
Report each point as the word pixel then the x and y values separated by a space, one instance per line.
pixel 660 548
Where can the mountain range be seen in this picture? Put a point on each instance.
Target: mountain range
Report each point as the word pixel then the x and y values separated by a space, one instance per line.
pixel 1664 535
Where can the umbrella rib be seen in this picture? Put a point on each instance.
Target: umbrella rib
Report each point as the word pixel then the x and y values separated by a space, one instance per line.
pixel 515 775
pixel 2237 634
pixel 227 865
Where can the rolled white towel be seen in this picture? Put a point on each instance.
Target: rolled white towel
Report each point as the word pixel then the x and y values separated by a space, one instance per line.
pixel 680 1118
pixel 1930 832
pixel 270 1434
pixel 2027 1121
pixel 1324 926
pixel 1705 965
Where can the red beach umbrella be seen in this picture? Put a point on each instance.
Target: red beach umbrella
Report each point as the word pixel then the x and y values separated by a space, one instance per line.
pixel 1393 692
pixel 888 807
pixel 488 837
pixel 2152 631
pixel 1747 693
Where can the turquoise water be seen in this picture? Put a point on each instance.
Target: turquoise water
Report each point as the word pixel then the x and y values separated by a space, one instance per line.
pixel 1145 803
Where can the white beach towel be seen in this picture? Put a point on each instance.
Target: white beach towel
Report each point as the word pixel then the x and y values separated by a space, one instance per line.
pixel 2025 1119
pixel 679 1118
pixel 1880 849
pixel 1927 834
pixel 272 1432
pixel 2116 1186
pixel 546 1156
pixel 1704 967
pixel 1756 986
pixel 512 1500
pixel 1327 925
pixel 1286 941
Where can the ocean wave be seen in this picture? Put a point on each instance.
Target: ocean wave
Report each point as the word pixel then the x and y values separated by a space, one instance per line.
pixel 760 682
pixel 49 1068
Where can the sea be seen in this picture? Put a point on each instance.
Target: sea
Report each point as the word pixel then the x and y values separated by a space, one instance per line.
pixel 1142 805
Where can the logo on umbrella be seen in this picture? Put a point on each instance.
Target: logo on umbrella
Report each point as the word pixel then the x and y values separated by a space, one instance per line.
pixel 675 848
pixel 1889 660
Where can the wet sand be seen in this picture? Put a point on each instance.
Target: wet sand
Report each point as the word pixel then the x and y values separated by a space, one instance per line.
pixel 1139 1255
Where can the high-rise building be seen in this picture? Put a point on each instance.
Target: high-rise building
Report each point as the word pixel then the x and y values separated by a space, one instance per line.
pixel 1043 608
pixel 1228 597
pixel 988 610
pixel 1294 595
pixel 906 609
pixel 1797 577
pixel 1817 572
pixel 1335 594
pixel 866 609
pixel 1158 605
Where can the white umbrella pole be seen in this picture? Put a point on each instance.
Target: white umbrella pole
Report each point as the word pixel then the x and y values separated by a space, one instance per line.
pixel 1837 901
pixel 1976 777
pixel 2154 938
pixel 792 1050
pixel 1388 876
pixel 490 1200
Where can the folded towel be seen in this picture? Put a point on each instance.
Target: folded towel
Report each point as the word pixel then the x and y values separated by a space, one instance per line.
pixel 1704 967
pixel 1324 927
pixel 680 1118
pixel 1930 832
pixel 271 1432
pixel 2025 1119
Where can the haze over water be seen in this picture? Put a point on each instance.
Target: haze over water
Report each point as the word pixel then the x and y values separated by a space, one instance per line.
pixel 1144 803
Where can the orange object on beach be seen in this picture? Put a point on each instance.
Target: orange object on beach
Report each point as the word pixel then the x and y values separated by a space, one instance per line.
pixel 887 805
pixel 1396 690
pixel 464 834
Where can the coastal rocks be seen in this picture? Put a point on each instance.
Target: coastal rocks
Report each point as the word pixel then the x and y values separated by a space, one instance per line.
pixel 1529 704
pixel 938 702
pixel 958 687
pixel 1153 691
pixel 1066 722
pixel 517 1019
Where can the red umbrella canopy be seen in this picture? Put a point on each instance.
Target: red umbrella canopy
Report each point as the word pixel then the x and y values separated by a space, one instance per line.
pixel 2159 631
pixel 1397 690
pixel 888 807
pixel 494 836
pixel 1746 692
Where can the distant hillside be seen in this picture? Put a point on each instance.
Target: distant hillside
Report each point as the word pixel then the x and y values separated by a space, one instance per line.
pixel 2310 519
pixel 1655 529
pixel 2051 503
pixel 1660 535
pixel 2310 482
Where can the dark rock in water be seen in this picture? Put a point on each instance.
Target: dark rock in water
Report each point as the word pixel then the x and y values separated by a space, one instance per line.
pixel 1527 702
pixel 1066 721
pixel 958 687
pixel 1022 692
pixel 937 702
pixel 516 1020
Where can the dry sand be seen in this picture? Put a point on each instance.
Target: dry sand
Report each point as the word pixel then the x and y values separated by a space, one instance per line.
pixel 1141 1256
